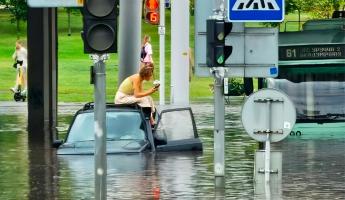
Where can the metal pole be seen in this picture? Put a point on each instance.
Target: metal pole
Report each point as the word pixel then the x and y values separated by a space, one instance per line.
pixel 219 127
pixel 268 143
pixel 267 159
pixel 161 32
pixel 129 38
pixel 180 52
pixel 42 78
pixel 219 112
pixel 100 127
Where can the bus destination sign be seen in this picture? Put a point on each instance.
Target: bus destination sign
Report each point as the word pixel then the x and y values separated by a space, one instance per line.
pixel 312 52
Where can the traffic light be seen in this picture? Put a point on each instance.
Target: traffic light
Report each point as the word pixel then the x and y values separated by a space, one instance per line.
pixel 99 26
pixel 152 11
pixel 217 52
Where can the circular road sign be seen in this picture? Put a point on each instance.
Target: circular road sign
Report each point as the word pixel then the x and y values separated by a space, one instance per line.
pixel 268 111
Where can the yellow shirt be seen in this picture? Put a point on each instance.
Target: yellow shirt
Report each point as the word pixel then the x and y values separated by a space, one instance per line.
pixel 127 86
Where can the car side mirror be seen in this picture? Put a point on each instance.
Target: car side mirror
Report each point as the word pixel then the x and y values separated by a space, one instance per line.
pixel 57 143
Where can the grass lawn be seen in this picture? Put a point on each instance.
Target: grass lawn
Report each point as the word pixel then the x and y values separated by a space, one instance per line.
pixel 73 64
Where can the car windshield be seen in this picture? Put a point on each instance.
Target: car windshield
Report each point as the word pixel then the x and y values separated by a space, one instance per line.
pixel 120 126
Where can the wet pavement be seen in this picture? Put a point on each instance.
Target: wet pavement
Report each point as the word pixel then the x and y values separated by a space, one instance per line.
pixel 19 108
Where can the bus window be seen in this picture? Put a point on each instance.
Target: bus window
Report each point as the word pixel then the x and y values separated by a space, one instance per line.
pixel 315 101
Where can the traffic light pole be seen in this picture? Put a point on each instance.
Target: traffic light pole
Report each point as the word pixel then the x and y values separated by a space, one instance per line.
pixel 219 127
pixel 214 33
pixel 100 127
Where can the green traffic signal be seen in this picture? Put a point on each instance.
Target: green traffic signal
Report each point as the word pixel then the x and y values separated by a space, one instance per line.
pixel 220 60
pixel 216 51
pixel 220 36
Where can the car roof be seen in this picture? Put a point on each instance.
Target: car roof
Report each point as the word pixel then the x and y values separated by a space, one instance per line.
pixel 111 106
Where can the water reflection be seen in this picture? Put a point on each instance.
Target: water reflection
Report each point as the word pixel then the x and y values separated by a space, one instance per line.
pixel 42 166
pixel 313 167
pixel 13 158
pixel 132 176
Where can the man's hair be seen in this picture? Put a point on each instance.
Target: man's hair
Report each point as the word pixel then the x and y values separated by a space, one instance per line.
pixel 146 71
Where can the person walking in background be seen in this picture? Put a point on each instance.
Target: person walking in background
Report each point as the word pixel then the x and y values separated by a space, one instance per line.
pixel 131 89
pixel 146 50
pixel 21 62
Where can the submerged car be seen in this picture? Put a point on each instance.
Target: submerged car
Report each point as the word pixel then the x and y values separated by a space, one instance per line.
pixel 128 130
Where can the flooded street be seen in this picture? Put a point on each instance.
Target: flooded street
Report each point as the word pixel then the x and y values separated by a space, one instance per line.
pixel 313 166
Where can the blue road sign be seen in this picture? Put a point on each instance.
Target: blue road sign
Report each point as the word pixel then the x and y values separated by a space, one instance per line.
pixel 256 10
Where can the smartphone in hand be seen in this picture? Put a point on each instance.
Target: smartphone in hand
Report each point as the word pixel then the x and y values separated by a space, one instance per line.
pixel 156 83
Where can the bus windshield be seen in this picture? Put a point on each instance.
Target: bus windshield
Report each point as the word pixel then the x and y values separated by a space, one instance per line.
pixel 315 100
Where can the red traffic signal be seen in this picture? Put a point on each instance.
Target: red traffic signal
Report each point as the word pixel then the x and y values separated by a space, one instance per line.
pixel 152 11
pixel 152 4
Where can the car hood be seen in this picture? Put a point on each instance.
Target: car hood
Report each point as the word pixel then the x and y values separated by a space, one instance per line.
pixel 112 147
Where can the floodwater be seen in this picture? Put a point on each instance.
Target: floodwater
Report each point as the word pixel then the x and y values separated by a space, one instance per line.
pixel 313 167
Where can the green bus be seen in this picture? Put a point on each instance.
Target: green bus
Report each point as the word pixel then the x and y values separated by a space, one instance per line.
pixel 312 74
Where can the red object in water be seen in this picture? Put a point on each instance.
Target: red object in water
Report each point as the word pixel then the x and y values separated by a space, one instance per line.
pixel 156 193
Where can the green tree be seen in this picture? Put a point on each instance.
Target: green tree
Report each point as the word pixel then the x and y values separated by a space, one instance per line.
pixel 324 8
pixel 290 7
pixel 297 5
pixel 18 10
pixel 317 9
pixel 191 7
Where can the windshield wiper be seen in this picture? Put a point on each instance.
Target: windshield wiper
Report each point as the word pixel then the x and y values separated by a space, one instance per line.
pixel 108 139
pixel 335 115
pixel 92 140
pixel 326 116
pixel 84 140
pixel 113 139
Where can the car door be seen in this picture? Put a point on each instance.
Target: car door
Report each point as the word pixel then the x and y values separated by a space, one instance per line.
pixel 177 125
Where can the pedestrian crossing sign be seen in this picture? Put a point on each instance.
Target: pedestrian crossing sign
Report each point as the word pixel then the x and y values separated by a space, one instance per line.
pixel 256 10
